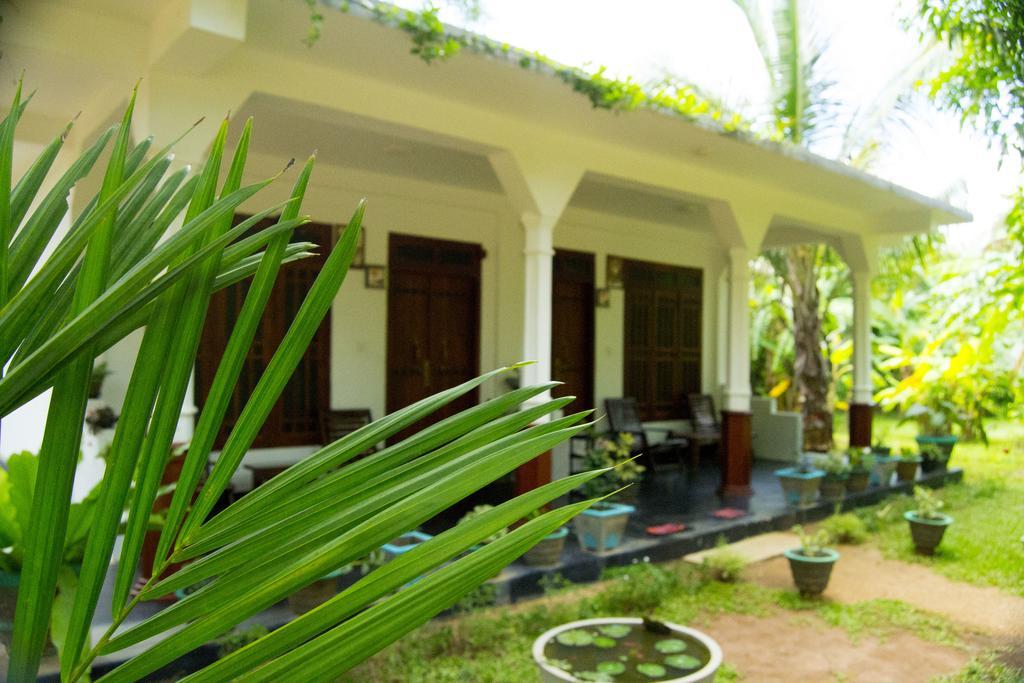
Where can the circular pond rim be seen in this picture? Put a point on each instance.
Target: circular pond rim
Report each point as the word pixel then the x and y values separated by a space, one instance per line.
pixel 714 662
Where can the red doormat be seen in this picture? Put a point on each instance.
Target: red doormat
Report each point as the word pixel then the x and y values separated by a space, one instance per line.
pixel 729 513
pixel 665 529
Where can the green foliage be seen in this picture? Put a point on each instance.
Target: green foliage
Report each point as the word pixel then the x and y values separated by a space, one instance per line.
pixel 639 588
pixel 613 454
pixel 723 565
pixel 881 618
pixel 985 82
pixel 120 268
pixel 239 638
pixel 847 528
pixel 834 465
pixel 812 544
pixel 477 512
pixel 926 503
pixel 983 547
pixel 985 668
pixel 433 41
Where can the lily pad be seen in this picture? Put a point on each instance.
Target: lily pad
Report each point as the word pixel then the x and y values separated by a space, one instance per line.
pixel 670 646
pixel 615 630
pixel 683 662
pixel 651 670
pixel 577 637
pixel 613 668
pixel 562 664
pixel 604 642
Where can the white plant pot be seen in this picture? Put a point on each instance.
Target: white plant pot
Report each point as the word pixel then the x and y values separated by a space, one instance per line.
pixel 552 674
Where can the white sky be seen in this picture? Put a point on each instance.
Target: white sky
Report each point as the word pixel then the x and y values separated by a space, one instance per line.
pixel 707 42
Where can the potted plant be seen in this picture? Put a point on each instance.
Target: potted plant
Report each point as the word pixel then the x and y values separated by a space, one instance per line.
pixel 626 649
pixel 837 472
pixel 862 461
pixel 616 453
pixel 800 484
pixel 927 523
pixel 549 550
pixel 811 563
pixel 601 527
pixel 884 465
pixel 880 449
pixel 935 415
pixel 906 466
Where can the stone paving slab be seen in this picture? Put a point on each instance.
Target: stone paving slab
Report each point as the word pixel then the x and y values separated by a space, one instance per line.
pixel 753 549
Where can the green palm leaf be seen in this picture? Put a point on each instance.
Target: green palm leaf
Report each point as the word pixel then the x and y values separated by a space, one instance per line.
pixel 120 268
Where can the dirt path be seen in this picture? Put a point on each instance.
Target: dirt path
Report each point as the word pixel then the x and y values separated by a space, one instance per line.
pixel 864 574
pixel 802 647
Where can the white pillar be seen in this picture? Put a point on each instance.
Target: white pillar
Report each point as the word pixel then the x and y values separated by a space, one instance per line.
pixel 737 380
pixel 538 261
pixel 862 386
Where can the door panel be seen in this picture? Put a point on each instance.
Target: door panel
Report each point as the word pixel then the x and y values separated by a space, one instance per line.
pixel 572 327
pixel 294 419
pixel 433 322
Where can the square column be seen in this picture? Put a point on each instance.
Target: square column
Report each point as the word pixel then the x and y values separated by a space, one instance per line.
pixel 861 406
pixel 736 452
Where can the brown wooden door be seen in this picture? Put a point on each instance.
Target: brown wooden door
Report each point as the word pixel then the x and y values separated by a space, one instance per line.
pixel 295 418
pixel 662 338
pixel 433 331
pixel 572 327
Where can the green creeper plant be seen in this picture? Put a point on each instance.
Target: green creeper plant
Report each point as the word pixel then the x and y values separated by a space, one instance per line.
pixel 120 268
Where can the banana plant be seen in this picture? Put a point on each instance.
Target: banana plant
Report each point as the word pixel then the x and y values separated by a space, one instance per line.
pixel 121 267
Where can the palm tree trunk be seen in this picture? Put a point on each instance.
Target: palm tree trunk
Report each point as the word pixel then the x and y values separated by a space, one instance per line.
pixel 811 367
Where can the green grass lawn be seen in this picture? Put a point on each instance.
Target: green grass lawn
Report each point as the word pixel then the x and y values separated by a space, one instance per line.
pixel 983 546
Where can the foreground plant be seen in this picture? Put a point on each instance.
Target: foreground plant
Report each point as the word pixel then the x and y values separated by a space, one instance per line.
pixel 927 522
pixel 119 268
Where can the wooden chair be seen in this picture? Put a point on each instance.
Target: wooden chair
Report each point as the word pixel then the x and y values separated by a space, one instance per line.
pixel 706 427
pixel 623 416
pixel 335 424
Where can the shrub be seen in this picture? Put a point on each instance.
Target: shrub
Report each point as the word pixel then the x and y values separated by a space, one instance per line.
pixel 846 528
pixel 636 589
pixel 723 564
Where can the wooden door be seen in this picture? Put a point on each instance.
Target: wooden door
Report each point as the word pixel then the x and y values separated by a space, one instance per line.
pixel 295 418
pixel 433 340
pixel 662 338
pixel 572 327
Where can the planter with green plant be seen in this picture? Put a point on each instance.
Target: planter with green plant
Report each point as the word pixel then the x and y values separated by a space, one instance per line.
pixel 927 523
pixel 906 466
pixel 603 526
pixel 800 484
pixel 935 414
pixel 862 462
pixel 837 473
pixel 811 564
pixel 548 551
pixel 884 465
pixel 66 296
pixel 625 649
